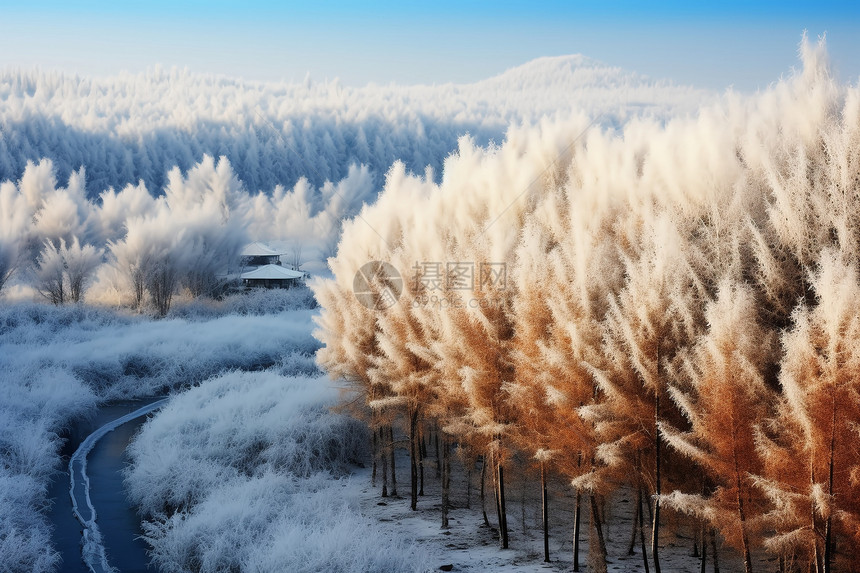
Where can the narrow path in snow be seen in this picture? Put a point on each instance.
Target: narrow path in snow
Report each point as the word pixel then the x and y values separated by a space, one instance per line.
pixel 92 545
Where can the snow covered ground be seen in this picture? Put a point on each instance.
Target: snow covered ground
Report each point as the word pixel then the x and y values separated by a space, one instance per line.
pixel 58 363
pixel 250 472
pixel 254 472
pixel 248 469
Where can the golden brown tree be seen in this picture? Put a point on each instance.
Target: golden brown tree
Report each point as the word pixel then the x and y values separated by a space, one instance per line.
pixel 811 449
pixel 727 397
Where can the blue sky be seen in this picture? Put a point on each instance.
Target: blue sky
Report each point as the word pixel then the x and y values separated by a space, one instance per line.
pixel 715 45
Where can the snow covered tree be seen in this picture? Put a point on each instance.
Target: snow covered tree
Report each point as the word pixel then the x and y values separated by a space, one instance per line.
pixel 811 451
pixel 648 322
pixel 724 398
pixel 8 260
pixel 80 262
pixel 51 274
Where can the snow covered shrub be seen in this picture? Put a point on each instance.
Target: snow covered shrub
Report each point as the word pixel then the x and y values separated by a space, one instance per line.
pixel 254 302
pixel 62 271
pixel 57 362
pixel 35 404
pixel 246 472
pixel 124 356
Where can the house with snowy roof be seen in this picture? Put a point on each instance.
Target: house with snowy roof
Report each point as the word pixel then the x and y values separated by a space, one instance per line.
pixel 258 254
pixel 262 268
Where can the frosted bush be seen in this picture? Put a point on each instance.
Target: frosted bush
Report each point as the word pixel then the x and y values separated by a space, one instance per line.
pixel 35 405
pixel 247 471
pixel 255 302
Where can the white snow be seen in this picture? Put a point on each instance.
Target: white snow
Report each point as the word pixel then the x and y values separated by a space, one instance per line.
pixel 57 364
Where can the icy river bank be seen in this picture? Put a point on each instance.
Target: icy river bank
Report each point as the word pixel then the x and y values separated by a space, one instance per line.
pixel 95 527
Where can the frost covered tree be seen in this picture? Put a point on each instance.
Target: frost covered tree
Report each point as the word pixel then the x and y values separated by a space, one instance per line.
pixel 811 449
pixel 81 262
pixel 8 260
pixel 51 274
pixel 400 365
pixel 724 399
pixel 62 271
pixel 647 323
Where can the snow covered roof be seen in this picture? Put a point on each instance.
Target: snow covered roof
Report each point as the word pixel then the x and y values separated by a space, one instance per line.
pixel 257 249
pixel 272 272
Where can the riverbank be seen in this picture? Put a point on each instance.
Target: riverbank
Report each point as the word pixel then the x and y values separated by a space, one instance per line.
pixel 119 524
pixel 59 363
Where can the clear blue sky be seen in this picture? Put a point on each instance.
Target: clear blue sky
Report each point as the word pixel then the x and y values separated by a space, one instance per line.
pixel 714 45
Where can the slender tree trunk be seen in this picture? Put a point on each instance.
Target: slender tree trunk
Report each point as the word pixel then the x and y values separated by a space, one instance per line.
pixel 601 541
pixel 413 458
pixel 375 446
pixel 438 459
pixel 742 516
pixel 469 488
pixel 384 464
pixel 576 520
pixel 828 526
pixel 496 493
pixel 816 552
pixel 393 465
pixel 704 534
pixel 446 483
pixel 716 553
pixel 483 489
pixel 655 529
pixel 422 453
pixel 545 503
pixel 641 513
pixel 503 518
pixel 696 543
pixel 523 506
pixel 636 510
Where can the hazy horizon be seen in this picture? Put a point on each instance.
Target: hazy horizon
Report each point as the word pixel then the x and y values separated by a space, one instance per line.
pixel 735 44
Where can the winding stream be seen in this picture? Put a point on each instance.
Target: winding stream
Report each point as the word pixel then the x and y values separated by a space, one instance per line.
pixel 96 529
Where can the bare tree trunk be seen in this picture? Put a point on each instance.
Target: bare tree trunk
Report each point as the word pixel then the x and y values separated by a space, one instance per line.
pixel 816 551
pixel 600 565
pixel 422 453
pixel 446 483
pixel 413 457
pixel 384 465
pixel 576 520
pixel 828 527
pixel 523 506
pixel 503 518
pixel 704 534
pixel 655 529
pixel 545 503
pixel 393 465
pixel 742 515
pixel 636 510
pixel 696 542
pixel 375 446
pixel 469 488
pixel 438 459
pixel 714 548
pixel 483 495
pixel 641 514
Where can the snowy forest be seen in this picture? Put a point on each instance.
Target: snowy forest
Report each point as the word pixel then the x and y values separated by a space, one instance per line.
pixel 669 310
pixel 167 174
pixel 582 319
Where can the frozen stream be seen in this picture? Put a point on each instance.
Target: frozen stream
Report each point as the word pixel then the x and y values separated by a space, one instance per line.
pixel 105 536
